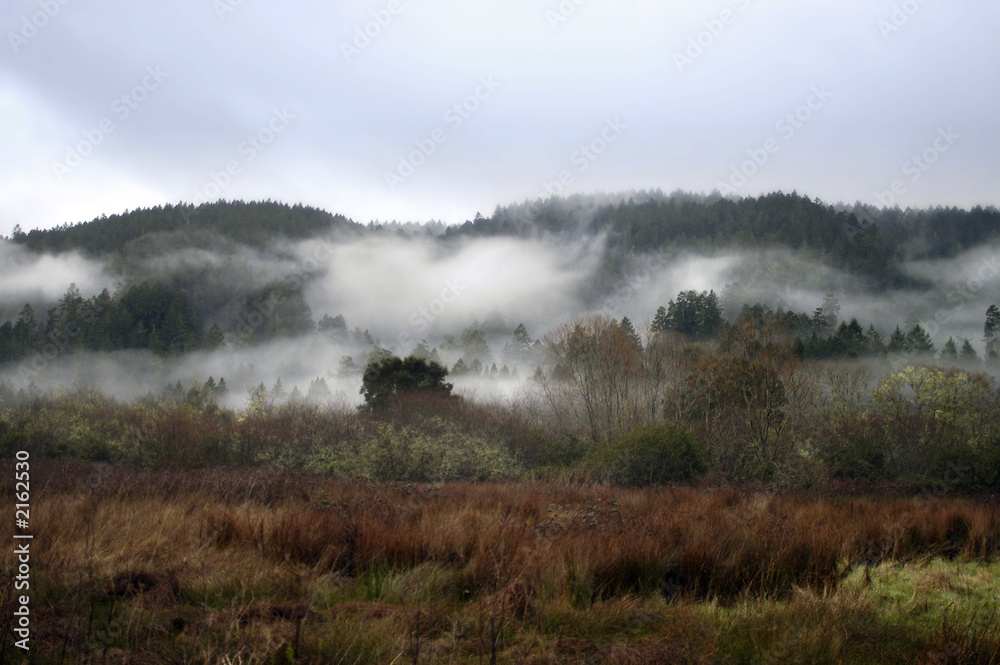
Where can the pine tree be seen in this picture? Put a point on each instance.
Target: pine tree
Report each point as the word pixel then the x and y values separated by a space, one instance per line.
pixel 319 392
pixel 422 350
pixel 897 341
pixel 26 333
pixel 661 322
pixel 215 338
pixel 968 354
pixel 710 315
pixel 630 334
pixel 347 367
pixel 873 340
pixel 820 322
pixel 522 340
pixel 991 333
pixel 949 352
pixel 278 392
pixel 831 309
pixel 918 341
pixel 377 354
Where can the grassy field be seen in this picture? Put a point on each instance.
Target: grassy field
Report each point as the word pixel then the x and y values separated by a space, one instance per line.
pixel 268 566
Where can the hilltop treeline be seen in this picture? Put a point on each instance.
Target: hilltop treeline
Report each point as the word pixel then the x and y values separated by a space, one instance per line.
pixel 863 240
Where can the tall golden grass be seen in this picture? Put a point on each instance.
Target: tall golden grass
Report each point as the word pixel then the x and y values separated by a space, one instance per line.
pixel 199 544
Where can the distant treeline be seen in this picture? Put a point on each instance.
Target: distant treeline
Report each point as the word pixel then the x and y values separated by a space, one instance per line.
pixel 865 241
pixel 253 223
pixel 166 315
pixel 143 316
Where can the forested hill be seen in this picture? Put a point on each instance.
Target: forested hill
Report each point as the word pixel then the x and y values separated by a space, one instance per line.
pixel 864 241
pixel 254 224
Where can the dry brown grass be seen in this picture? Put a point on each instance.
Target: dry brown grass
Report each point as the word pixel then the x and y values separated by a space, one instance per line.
pixel 210 555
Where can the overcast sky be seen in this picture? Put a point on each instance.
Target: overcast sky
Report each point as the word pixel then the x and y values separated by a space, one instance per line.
pixel 109 105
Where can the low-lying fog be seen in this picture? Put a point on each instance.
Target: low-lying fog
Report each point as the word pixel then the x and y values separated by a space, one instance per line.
pixel 406 288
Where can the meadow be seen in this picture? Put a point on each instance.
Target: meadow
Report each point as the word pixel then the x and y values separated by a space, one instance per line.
pixel 266 565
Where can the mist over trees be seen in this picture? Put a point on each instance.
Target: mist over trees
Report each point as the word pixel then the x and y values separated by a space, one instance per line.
pixel 597 342
pixel 281 302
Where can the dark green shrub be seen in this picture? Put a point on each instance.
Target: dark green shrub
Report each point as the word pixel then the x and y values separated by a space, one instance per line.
pixel 556 451
pixel 93 449
pixel 859 457
pixel 653 455
pixel 967 468
pixel 386 379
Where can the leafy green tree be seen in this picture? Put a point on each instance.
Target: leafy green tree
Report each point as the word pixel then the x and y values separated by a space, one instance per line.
pixel 932 410
pixel 384 380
